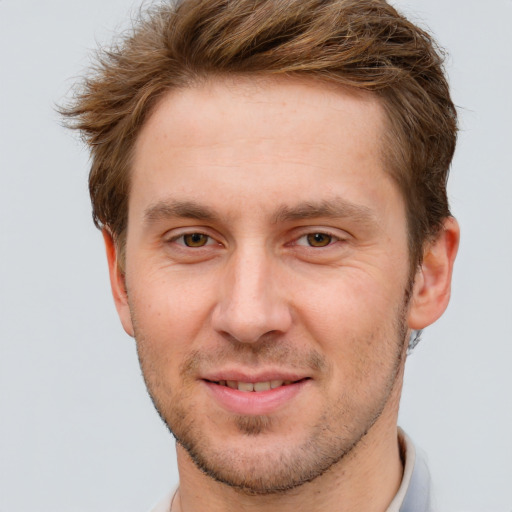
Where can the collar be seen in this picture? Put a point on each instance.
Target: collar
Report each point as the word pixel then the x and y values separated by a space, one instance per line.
pixel 414 492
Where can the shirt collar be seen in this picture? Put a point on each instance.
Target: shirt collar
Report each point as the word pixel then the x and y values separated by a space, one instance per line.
pixel 414 492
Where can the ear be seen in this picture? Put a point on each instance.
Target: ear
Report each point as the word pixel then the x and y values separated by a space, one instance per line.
pixel 117 282
pixel 432 284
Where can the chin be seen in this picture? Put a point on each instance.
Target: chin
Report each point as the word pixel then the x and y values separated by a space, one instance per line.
pixel 258 455
pixel 272 469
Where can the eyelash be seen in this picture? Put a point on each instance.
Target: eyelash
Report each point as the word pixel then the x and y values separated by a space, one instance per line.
pixel 332 239
pixel 176 239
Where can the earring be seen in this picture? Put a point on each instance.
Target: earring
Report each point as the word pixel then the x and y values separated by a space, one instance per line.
pixel 414 339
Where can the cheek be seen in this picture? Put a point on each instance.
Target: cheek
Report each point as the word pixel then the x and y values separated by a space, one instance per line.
pixel 169 314
pixel 349 299
pixel 354 321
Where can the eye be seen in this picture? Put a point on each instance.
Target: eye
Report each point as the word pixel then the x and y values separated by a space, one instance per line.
pixel 316 239
pixel 194 240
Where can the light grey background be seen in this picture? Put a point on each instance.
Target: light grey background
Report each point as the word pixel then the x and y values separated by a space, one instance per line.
pixel 77 431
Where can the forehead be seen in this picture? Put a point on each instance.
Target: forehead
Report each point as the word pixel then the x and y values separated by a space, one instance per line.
pixel 279 140
pixel 263 107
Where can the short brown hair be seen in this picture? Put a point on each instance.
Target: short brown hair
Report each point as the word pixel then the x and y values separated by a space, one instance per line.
pixel 365 44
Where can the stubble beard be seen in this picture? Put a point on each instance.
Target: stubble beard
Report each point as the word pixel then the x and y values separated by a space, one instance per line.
pixel 339 430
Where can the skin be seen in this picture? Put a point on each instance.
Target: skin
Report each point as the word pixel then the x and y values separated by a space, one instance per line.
pixel 247 173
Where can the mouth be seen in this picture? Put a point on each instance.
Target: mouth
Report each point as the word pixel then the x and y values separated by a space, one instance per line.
pixel 248 387
pixel 256 396
pixel 267 391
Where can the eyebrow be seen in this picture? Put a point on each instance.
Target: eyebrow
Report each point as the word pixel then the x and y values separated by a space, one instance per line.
pixel 184 209
pixel 334 208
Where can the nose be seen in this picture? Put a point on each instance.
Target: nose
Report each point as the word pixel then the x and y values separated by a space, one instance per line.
pixel 252 303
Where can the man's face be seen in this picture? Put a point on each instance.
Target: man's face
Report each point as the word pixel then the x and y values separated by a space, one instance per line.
pixel 267 249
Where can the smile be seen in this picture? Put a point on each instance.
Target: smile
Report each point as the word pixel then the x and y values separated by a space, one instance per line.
pixel 254 386
pixel 256 398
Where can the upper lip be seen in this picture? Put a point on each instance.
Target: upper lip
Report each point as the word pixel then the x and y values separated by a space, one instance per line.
pixel 247 376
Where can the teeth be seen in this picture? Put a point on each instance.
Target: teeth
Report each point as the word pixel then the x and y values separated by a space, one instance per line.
pixel 261 386
pixel 254 386
pixel 245 386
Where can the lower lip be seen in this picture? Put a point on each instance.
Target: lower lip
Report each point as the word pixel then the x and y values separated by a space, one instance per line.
pixel 255 402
